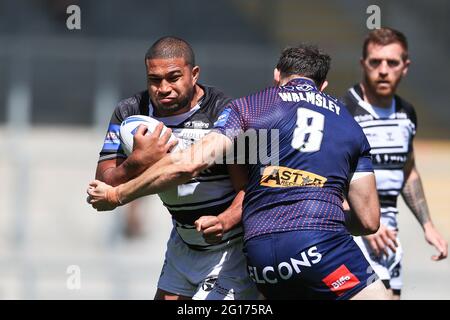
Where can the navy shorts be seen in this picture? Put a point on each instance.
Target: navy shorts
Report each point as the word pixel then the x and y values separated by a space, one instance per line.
pixel 308 265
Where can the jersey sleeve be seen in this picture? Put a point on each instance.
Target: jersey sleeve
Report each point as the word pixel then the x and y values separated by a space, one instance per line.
pixel 413 117
pixel 364 163
pixel 111 148
pixel 411 112
pixel 414 121
pixel 229 122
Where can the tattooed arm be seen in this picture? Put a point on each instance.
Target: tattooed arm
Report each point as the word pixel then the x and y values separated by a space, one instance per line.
pixel 414 197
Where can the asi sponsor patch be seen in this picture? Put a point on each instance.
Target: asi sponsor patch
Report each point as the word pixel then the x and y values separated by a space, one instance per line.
pixel 341 280
pixel 222 119
pixel 275 176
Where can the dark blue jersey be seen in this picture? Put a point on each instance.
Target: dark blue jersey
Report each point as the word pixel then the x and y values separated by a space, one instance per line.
pixel 318 148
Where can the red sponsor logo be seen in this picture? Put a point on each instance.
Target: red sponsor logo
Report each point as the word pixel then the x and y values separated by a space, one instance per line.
pixel 341 280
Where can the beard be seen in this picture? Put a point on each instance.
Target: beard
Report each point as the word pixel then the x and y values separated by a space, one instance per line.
pixel 181 103
pixel 386 89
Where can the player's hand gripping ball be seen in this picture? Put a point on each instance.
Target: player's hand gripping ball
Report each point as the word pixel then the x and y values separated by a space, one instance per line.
pixel 129 127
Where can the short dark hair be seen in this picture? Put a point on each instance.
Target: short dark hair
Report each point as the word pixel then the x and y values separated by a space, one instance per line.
pixel 383 37
pixel 171 47
pixel 304 60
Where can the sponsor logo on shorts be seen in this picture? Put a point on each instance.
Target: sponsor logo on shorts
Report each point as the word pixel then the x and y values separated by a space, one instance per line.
pixel 275 176
pixel 286 269
pixel 213 284
pixel 341 280
pixel 209 284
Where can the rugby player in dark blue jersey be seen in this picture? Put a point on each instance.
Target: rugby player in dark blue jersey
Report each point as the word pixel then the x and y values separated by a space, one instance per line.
pixel 295 231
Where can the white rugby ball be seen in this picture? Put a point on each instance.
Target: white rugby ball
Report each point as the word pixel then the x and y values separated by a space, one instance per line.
pixel 129 127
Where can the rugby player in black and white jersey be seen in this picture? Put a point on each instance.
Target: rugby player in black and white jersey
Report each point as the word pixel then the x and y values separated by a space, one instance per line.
pixel 200 265
pixel 390 123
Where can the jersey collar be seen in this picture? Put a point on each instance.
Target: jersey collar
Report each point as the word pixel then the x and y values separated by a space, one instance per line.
pixel 304 83
pixel 174 120
pixel 358 95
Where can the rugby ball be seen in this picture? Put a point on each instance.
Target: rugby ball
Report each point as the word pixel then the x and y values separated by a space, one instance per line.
pixel 129 127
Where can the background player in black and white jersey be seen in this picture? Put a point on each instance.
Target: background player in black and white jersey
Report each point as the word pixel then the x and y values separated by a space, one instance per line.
pixel 389 123
pixel 201 265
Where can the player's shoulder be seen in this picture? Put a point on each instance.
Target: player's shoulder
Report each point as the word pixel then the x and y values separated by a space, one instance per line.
pixel 137 104
pixel 214 101
pixel 214 98
pixel 352 109
pixel 403 106
pixel 258 98
pixel 351 100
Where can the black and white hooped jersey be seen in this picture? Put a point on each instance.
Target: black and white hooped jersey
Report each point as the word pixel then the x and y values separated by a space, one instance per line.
pixel 391 141
pixel 208 194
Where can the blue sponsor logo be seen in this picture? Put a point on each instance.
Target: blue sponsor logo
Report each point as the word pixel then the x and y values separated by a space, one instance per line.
pixel 222 118
pixel 112 138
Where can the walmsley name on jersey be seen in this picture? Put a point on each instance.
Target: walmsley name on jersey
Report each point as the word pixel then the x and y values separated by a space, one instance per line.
pixel 314 98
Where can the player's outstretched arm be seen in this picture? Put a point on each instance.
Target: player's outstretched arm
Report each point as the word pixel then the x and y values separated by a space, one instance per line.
pixel 414 197
pixel 363 201
pixel 174 169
